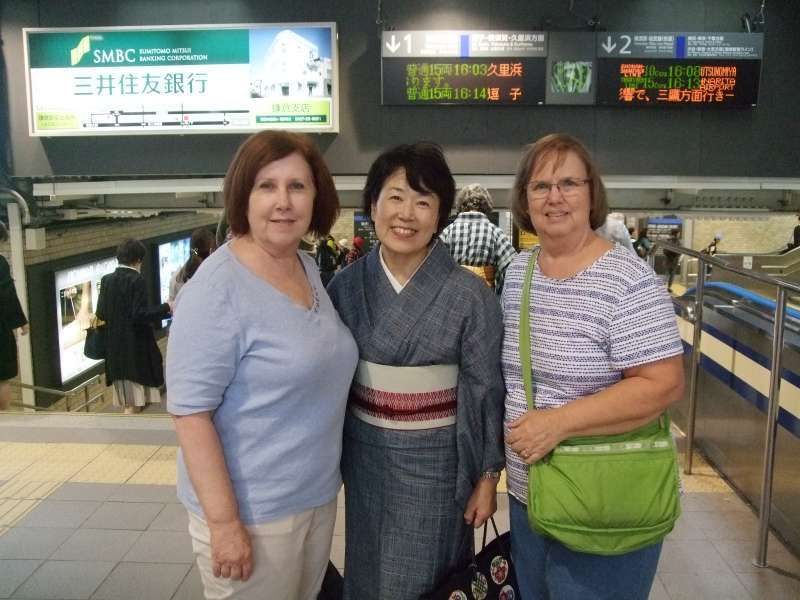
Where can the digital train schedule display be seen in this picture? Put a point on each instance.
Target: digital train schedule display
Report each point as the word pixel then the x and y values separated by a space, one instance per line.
pixel 470 81
pixel 678 83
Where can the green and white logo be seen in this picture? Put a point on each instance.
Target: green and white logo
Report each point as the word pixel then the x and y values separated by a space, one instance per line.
pixel 76 54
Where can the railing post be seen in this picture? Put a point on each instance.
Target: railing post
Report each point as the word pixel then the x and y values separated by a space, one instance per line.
pixel 694 365
pixel 86 397
pixel 765 504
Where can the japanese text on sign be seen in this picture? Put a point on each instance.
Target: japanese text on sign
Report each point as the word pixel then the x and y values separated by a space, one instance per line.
pixel 488 81
pixel 676 83
pixel 129 84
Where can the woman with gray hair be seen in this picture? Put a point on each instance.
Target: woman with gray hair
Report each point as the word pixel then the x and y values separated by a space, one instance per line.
pixel 474 241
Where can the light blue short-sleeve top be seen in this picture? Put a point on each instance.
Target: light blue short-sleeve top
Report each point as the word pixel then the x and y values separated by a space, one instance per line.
pixel 276 376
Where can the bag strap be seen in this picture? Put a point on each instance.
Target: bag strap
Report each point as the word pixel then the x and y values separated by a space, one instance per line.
pixel 485 529
pixel 525 341
pixel 525 329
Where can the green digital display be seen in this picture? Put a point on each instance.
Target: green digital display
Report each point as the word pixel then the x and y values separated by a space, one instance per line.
pixel 479 81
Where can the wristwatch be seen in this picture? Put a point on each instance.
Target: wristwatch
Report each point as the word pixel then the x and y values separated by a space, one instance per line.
pixel 490 475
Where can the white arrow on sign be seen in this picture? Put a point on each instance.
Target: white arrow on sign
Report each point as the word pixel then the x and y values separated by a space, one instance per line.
pixel 393 45
pixel 607 45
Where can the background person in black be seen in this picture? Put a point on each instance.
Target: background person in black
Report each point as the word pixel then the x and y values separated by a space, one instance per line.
pixel 11 318
pixel 711 250
pixel 133 361
pixel 671 260
pixel 796 235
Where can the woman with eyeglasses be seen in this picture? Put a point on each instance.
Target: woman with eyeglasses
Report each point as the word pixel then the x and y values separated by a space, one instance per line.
pixel 605 358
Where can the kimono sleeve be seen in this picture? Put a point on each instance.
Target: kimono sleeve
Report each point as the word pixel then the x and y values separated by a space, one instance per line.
pixel 203 350
pixel 643 328
pixel 481 374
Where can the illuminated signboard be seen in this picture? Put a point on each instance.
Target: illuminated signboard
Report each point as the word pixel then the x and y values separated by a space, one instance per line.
pixel 530 68
pixel 77 290
pixel 364 229
pixel 707 70
pixel 463 67
pixel 182 79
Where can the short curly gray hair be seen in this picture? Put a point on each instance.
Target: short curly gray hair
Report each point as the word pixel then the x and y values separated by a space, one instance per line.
pixel 474 197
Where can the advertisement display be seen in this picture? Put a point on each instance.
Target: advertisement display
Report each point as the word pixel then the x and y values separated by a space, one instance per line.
pixel 77 289
pixel 171 257
pixel 182 79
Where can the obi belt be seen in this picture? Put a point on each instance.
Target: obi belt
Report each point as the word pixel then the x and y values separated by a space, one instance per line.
pixel 487 273
pixel 405 397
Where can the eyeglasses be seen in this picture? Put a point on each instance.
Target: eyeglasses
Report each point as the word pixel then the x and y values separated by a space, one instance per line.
pixel 568 186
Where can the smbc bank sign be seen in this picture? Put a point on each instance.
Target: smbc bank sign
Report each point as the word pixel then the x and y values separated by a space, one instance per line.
pixel 137 48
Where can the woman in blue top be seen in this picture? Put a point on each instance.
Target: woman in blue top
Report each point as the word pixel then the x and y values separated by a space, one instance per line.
pixel 258 370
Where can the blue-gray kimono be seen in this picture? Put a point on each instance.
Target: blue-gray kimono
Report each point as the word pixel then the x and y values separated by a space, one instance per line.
pixel 406 490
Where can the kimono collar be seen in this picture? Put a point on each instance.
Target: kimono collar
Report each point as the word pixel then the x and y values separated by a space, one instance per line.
pixel 398 287
pixel 430 275
pixel 392 316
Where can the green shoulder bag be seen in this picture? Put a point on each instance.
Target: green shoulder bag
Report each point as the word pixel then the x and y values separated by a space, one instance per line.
pixel 603 495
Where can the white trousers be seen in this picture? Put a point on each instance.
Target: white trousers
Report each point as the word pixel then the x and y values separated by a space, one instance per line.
pixel 290 556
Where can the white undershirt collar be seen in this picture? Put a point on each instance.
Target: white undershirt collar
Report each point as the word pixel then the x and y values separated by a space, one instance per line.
pixel 398 287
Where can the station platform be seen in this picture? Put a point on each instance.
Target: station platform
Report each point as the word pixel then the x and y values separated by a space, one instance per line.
pixel 101 520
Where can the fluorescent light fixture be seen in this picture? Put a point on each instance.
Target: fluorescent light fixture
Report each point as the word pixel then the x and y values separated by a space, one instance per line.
pixel 356 183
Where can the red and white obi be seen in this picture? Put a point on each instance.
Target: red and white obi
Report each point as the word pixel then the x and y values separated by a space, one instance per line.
pixel 405 397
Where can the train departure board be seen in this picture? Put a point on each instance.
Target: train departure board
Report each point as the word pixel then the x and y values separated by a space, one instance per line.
pixel 529 68
pixel 457 67
pixel 709 70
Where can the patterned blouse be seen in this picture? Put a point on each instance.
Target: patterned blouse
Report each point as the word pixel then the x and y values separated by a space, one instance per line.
pixel 585 330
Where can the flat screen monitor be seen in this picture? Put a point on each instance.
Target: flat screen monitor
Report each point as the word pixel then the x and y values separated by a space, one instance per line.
pixel 171 256
pixel 77 289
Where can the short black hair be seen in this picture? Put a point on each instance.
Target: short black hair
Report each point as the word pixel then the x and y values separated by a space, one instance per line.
pixel 130 251
pixel 426 171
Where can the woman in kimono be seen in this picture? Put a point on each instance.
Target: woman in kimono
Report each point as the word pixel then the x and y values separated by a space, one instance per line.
pixel 423 433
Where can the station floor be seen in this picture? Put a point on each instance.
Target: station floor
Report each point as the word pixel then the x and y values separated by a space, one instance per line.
pixel 102 521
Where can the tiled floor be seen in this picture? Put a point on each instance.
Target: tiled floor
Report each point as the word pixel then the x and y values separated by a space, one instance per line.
pixel 102 521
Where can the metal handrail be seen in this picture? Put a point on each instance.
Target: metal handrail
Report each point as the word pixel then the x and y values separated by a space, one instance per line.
pixel 768 463
pixel 707 258
pixel 21 202
pixel 84 386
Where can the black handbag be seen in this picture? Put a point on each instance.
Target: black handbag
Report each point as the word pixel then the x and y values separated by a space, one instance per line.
pixel 332 585
pixel 95 345
pixel 490 575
